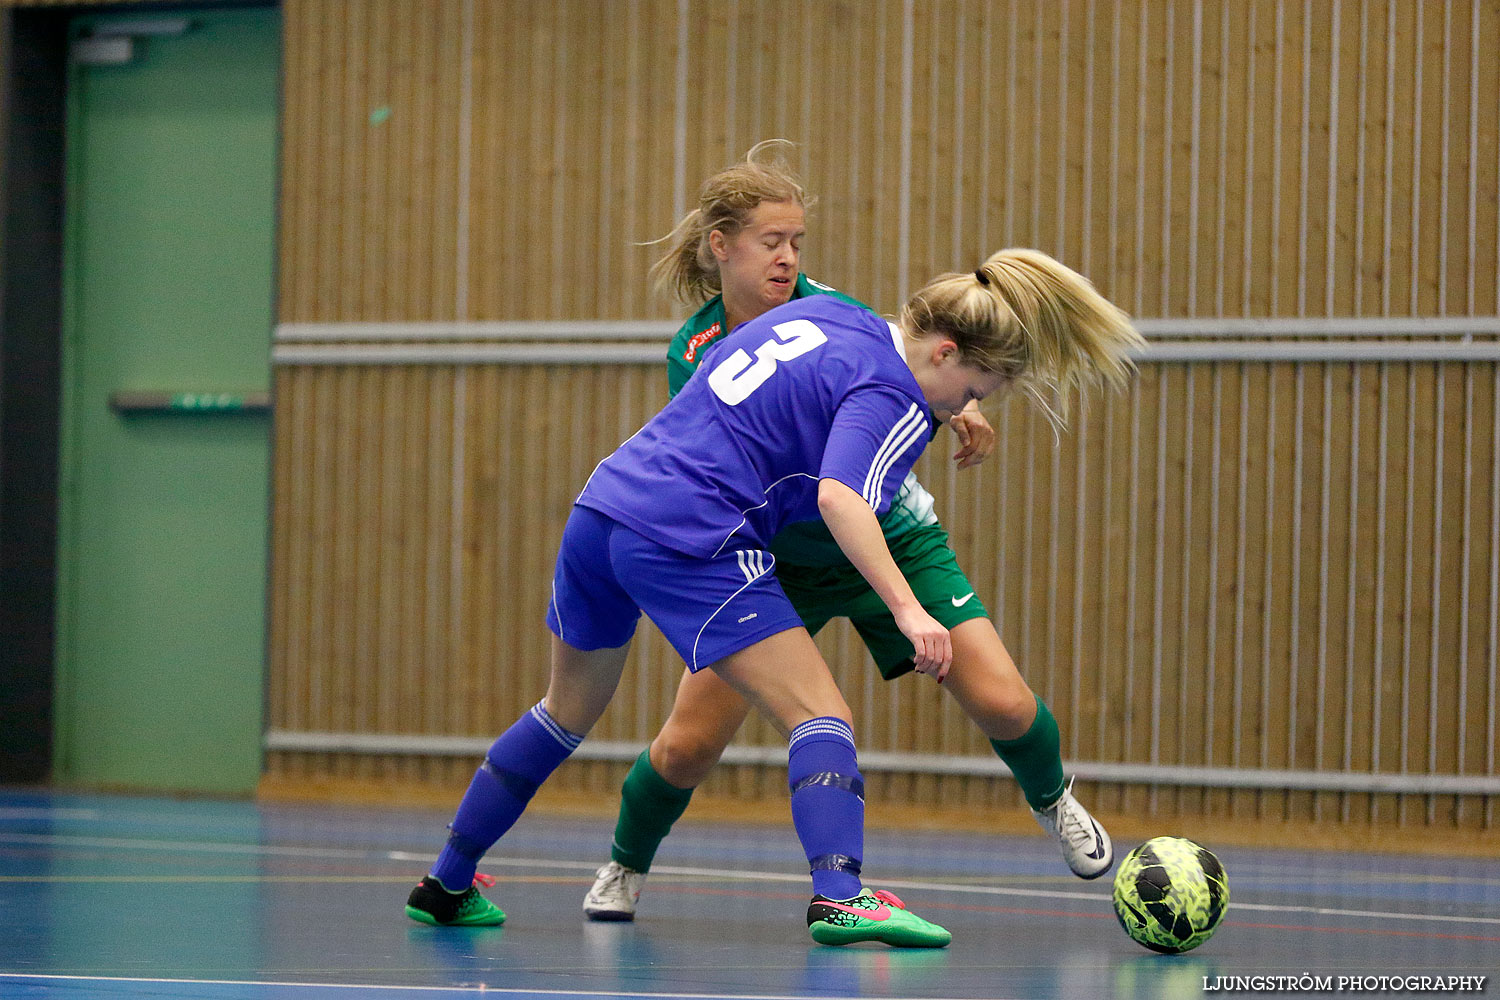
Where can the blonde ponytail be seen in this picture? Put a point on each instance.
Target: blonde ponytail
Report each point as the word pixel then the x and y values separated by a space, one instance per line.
pixel 1037 322
pixel 687 272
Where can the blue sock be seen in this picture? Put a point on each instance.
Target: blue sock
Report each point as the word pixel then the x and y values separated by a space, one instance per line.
pixel 828 804
pixel 515 766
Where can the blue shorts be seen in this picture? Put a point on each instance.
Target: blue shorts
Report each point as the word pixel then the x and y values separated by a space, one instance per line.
pixel 607 575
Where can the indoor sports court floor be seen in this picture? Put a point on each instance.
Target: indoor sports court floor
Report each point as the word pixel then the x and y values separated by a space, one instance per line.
pixel 125 898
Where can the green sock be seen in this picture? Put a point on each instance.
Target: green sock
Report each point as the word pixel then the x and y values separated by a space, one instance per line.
pixel 1035 758
pixel 648 808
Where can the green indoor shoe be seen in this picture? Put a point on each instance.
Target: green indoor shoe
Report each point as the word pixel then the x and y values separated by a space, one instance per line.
pixel 872 916
pixel 430 903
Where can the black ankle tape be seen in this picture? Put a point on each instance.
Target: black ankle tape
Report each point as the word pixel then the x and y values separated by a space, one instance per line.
pixel 836 863
pixel 833 779
pixel 471 849
pixel 518 785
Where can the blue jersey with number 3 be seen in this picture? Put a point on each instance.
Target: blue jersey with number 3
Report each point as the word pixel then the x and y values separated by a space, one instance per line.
pixel 813 389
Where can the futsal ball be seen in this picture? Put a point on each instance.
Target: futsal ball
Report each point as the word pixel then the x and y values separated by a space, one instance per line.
pixel 1170 894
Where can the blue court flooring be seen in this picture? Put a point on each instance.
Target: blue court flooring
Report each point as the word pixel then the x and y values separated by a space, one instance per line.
pixel 126 898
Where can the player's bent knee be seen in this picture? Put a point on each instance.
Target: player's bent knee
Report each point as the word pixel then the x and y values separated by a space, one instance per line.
pixel 1017 703
pixel 684 757
pixel 997 708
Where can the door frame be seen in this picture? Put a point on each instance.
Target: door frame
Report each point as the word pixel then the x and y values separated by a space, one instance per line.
pixel 33 110
pixel 33 172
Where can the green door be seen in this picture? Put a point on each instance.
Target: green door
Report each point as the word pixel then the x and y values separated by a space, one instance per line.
pixel 168 257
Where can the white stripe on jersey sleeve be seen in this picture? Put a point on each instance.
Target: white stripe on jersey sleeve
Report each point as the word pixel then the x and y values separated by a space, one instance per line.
pixel 895 434
pixel 913 436
pixel 908 429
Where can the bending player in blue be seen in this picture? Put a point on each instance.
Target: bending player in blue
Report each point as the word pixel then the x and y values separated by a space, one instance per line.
pixel 818 408
pixel 738 253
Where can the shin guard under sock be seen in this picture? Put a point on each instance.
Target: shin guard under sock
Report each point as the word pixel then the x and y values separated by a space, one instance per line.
pixel 828 804
pixel 649 805
pixel 515 766
pixel 1035 758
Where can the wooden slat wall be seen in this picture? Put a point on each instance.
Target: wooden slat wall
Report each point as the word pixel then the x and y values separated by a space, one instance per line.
pixel 1313 605
pixel 370 160
pixel 1224 567
pixel 1260 159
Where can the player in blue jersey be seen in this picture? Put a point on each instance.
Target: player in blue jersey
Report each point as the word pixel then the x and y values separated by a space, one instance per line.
pixel 818 408
pixel 738 253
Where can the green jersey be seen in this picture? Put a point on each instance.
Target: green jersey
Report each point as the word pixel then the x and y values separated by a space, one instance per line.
pixel 805 543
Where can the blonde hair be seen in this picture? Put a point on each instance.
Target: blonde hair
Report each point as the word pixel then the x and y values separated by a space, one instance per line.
pixel 688 270
pixel 1037 322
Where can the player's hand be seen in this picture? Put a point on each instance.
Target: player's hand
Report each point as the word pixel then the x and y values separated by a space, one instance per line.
pixel 976 438
pixel 933 646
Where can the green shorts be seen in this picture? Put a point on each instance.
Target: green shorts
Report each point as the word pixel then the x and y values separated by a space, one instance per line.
pixel 820 594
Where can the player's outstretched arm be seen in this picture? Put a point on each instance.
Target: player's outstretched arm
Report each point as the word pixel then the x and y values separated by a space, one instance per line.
pixel 854 526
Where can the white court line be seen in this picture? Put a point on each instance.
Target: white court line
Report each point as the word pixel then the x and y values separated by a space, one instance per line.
pixel 711 873
pixel 43 812
pixel 515 991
